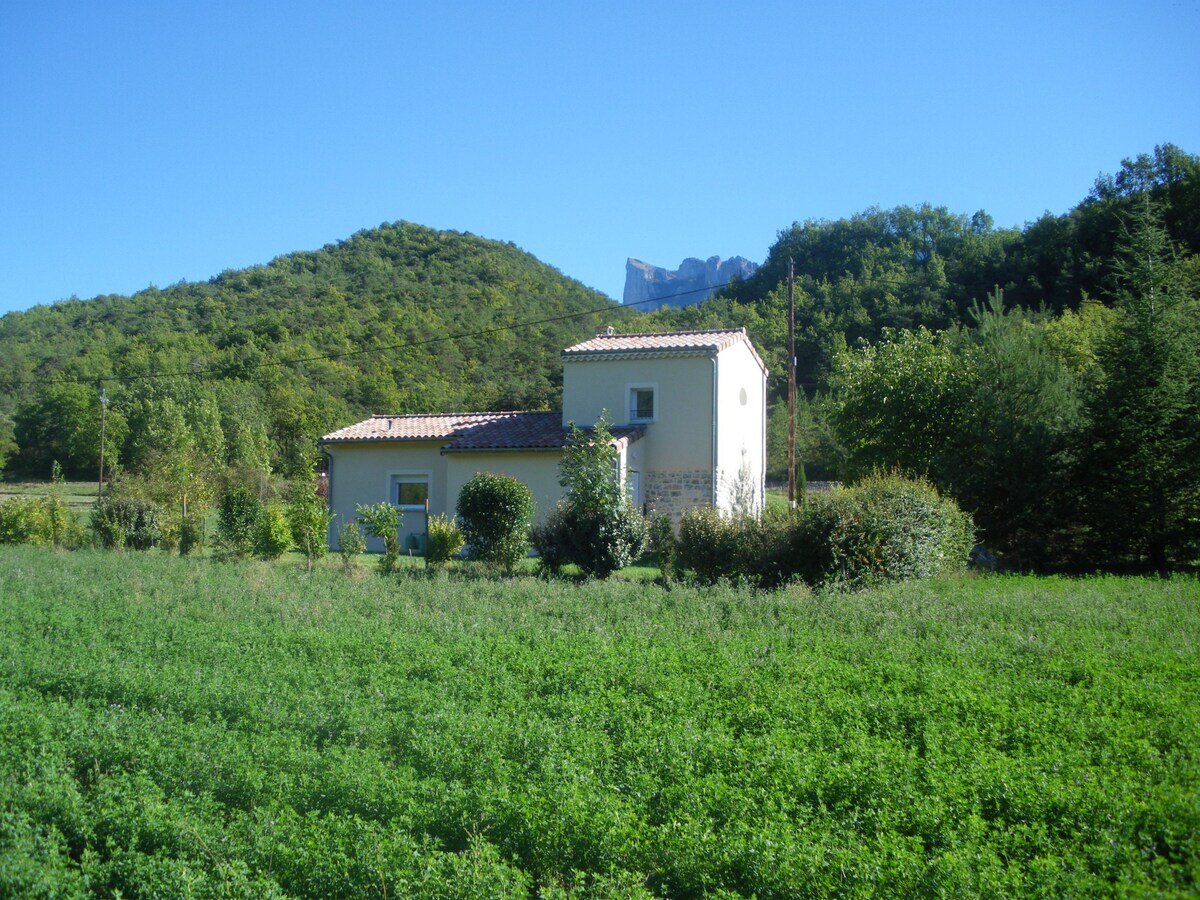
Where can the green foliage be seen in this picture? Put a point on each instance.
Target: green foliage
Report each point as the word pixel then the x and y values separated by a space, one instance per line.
pixel 126 522
pixel 309 519
pixel 382 520
pixel 61 422
pixel 900 403
pixel 173 727
pixel 595 526
pixel 272 532
pixel 552 540
pixel 884 528
pixel 39 520
pixel 444 540
pixel 600 542
pixel 351 544
pixel 750 549
pixel 663 544
pixel 496 512
pixel 8 441
pixel 250 407
pixel 588 467
pixel 191 534
pixel 1010 460
pixel 1142 444
pixel 238 516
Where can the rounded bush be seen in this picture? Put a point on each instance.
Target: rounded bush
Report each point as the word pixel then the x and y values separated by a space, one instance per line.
pixel 272 534
pixel 738 548
pixel 496 512
pixel 884 528
pixel 126 522
pixel 599 541
pixel 444 539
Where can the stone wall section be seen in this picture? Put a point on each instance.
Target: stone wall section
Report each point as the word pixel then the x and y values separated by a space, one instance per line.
pixel 674 493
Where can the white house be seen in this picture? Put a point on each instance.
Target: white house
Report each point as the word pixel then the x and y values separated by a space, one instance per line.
pixel 689 426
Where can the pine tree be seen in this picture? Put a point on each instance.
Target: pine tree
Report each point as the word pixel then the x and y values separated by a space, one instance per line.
pixel 1141 463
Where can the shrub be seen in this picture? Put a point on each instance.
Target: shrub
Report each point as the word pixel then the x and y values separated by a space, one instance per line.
pixel 351 543
pixel 23 520
pixel 237 520
pixel 885 528
pixel 737 548
pixel 496 512
pixel 39 520
pixel 65 529
pixel 609 539
pixel 664 546
pixel 382 520
pixel 272 535
pixel 706 545
pixel 595 527
pixel 169 528
pixel 551 540
pixel 444 540
pixel 599 542
pixel 191 535
pixel 121 522
pixel 308 520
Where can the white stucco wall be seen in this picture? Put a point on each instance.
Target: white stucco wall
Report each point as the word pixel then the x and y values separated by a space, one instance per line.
pixel 537 469
pixel 741 421
pixel 681 437
pixel 362 473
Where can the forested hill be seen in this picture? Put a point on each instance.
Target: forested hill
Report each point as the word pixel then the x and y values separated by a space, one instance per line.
pixel 928 266
pixel 398 286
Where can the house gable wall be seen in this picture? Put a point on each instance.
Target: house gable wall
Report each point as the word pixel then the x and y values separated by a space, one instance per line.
pixel 741 422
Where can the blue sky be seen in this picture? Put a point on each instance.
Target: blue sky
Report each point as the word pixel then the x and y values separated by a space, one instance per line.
pixel 148 143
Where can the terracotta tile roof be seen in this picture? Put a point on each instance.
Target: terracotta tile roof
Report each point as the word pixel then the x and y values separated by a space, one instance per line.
pixel 666 344
pixel 411 428
pixel 472 431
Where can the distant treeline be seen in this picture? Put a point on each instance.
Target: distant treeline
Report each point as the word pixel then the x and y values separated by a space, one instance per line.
pixel 206 369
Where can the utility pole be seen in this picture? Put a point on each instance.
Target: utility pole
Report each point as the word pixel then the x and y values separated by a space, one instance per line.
pixel 791 384
pixel 103 409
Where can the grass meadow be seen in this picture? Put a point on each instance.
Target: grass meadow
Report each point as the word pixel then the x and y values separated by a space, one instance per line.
pixel 180 727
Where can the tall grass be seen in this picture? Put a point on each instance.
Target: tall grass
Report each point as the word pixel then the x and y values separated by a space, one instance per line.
pixel 174 725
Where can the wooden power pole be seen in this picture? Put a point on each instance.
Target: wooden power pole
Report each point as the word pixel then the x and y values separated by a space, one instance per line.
pixel 103 409
pixel 791 384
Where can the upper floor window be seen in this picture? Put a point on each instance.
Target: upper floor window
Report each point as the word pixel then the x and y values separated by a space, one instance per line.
pixel 643 403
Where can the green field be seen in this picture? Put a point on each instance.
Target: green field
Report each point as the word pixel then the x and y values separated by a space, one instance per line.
pixel 178 727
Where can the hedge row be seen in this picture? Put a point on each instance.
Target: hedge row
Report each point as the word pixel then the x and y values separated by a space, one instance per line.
pixel 885 528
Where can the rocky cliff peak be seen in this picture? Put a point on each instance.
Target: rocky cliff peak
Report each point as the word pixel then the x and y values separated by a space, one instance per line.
pixel 693 281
